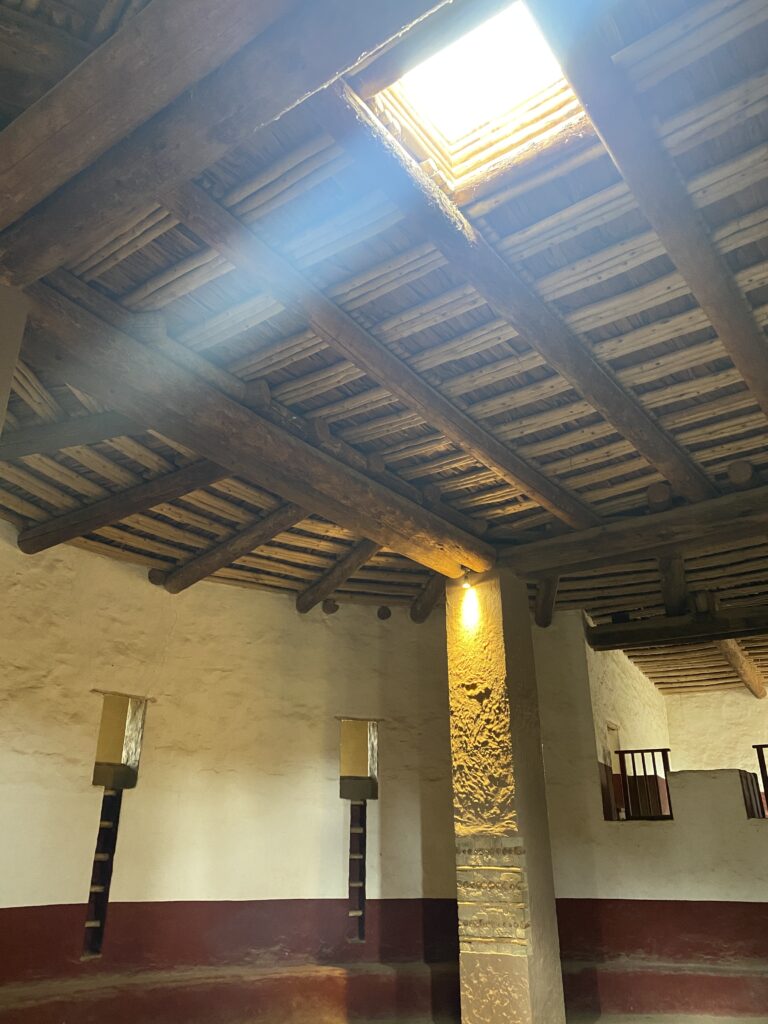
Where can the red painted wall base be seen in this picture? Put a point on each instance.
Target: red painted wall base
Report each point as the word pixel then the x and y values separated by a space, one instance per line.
pixel 289 961
pixel 665 957
pixel 225 963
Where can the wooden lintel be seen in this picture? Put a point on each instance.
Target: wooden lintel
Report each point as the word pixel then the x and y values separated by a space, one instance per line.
pixel 686 528
pixel 273 273
pixel 337 575
pixel 146 385
pixel 744 666
pixel 424 602
pixel 626 128
pixel 725 624
pixel 81 521
pixel 352 123
pixel 52 437
pixel 234 547
pixel 544 605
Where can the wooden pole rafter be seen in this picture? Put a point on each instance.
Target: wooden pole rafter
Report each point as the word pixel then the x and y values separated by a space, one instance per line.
pixel 98 514
pixel 148 386
pixel 220 555
pixel 628 133
pixel 273 273
pixel 337 575
pixel 351 122
pixel 424 603
pixel 745 667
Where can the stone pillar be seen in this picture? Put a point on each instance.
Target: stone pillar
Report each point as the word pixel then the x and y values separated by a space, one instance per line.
pixel 510 956
pixel 13 317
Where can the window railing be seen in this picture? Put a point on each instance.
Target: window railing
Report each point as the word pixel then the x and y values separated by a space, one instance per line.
pixel 644 785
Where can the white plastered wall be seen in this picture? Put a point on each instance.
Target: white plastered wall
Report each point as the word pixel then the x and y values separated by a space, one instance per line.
pixel 238 786
pixel 624 697
pixel 710 851
pixel 716 730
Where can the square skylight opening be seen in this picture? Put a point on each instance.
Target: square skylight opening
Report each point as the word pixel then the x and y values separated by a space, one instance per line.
pixel 483 99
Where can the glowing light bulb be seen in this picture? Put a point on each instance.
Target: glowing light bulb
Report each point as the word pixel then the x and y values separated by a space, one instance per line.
pixel 465 582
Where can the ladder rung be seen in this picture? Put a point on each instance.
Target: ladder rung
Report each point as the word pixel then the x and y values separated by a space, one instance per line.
pixel 357 803
pixel 110 792
pixel 93 924
pixel 355 856
pixel 106 824
pixel 98 888
pixel 357 830
pixel 354 913
pixel 356 885
pixel 101 856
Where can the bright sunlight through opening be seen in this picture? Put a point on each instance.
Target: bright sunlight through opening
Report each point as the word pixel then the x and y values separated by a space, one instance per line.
pixel 499 65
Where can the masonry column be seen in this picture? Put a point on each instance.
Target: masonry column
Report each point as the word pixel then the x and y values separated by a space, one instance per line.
pixel 510 957
pixel 13 317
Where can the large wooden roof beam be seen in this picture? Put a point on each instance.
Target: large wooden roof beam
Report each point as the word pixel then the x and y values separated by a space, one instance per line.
pixel 686 528
pixel 350 121
pixel 627 131
pixel 240 543
pixel 159 54
pixel 99 514
pixel 337 575
pixel 302 52
pixel 33 57
pixel 52 437
pixel 272 272
pixel 148 386
pixel 723 624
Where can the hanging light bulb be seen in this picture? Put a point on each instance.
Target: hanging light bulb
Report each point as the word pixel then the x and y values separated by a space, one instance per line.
pixel 465 582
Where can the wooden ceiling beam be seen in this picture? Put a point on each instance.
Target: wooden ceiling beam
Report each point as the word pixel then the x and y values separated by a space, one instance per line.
pixel 81 521
pixel 337 575
pixel 351 123
pixel 546 596
pixel 52 437
pixel 146 385
pixel 34 56
pixel 234 547
pixel 674 589
pixel 739 515
pixel 424 603
pixel 745 667
pixel 278 277
pixel 13 319
pixel 150 327
pixel 164 50
pixel 303 52
pixel 723 624
pixel 626 129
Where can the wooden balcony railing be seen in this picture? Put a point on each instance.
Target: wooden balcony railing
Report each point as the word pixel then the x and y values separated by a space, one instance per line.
pixel 756 792
pixel 644 785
